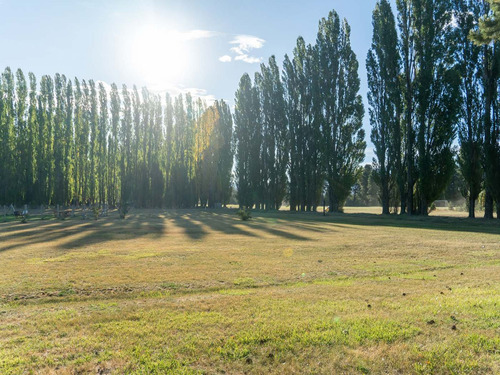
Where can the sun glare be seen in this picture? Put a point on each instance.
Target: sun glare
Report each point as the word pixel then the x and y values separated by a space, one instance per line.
pixel 160 56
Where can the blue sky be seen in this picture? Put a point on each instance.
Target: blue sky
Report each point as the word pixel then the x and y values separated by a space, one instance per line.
pixel 132 42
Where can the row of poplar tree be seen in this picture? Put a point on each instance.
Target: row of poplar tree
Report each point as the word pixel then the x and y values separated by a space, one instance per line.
pixel 432 83
pixel 77 142
pixel 299 129
pixel 298 134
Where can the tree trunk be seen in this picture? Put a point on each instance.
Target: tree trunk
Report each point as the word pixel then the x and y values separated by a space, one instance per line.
pixel 424 208
pixel 334 202
pixel 488 205
pixel 472 207
pixel 385 199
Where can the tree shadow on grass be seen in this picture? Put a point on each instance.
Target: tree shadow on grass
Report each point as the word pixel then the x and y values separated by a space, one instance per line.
pixel 444 223
pixel 91 232
pixel 197 224
pixel 191 228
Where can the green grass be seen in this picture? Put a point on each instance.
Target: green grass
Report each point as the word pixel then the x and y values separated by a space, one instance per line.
pixel 201 292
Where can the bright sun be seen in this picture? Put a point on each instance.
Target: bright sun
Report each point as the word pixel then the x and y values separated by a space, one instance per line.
pixel 159 55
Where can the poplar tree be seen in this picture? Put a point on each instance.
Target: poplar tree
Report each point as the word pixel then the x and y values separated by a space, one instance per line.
pixel 113 146
pixel 126 148
pixel 342 107
pixel 470 129
pixel 437 100
pixel 102 162
pixel 21 150
pixel 384 97
pixel 58 155
pixel 247 138
pixel 7 138
pixel 406 25
pixel 31 138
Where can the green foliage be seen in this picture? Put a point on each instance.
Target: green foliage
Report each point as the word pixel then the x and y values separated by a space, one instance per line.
pixel 214 155
pixel 384 96
pixel 244 214
pixel 96 211
pixel 124 208
pixel 489 25
pixel 71 142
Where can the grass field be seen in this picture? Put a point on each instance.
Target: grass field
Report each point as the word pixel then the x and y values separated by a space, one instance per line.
pixel 196 291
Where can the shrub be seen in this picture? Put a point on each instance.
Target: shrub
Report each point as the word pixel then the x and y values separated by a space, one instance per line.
pixel 96 211
pixel 123 210
pixel 244 214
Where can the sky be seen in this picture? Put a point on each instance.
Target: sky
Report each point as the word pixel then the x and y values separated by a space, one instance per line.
pixel 170 45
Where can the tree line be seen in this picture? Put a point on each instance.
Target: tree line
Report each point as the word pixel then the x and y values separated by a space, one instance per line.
pixel 431 84
pixel 299 130
pixel 433 77
pixel 79 142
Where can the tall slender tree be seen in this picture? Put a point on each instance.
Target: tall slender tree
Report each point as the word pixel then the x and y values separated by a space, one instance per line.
pixel 342 108
pixel 383 66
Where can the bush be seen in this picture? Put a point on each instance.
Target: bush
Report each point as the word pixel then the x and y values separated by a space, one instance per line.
pixel 244 214
pixel 123 210
pixel 96 211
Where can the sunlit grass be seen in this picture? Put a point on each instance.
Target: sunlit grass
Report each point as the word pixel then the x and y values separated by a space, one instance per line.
pixel 203 292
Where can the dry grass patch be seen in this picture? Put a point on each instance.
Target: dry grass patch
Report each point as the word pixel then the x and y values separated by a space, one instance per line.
pixel 203 292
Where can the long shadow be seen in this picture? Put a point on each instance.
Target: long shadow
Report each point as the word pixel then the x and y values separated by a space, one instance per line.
pixel 192 222
pixel 223 223
pixel 192 229
pixel 93 232
pixel 453 224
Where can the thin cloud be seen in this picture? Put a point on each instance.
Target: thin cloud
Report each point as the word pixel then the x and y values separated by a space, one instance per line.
pixel 225 58
pixel 248 59
pixel 243 45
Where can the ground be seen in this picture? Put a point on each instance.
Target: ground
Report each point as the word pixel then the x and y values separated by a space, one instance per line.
pixel 196 291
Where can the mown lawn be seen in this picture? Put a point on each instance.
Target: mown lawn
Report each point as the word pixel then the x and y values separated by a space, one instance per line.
pixel 194 291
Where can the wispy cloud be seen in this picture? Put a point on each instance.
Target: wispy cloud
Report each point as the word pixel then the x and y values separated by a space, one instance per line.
pixel 225 58
pixel 248 59
pixel 243 45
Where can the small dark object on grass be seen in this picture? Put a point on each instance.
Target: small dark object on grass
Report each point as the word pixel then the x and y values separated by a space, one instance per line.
pixel 244 214
pixel 441 292
pixel 404 294
pixel 249 360
pixel 389 277
pixel 461 273
pixel 453 327
pixel 320 261
pixel 431 321
pixel 369 306
pixel 448 288
pixel 453 318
